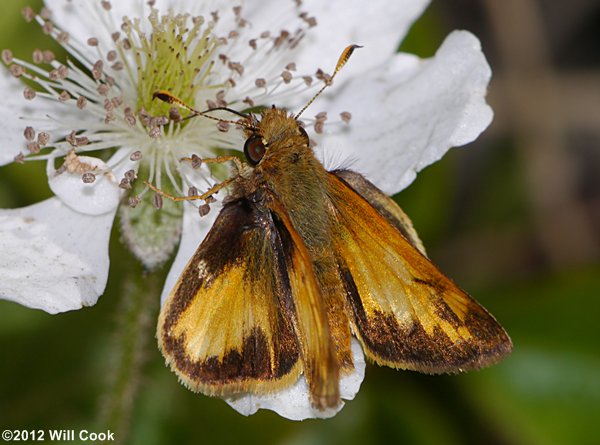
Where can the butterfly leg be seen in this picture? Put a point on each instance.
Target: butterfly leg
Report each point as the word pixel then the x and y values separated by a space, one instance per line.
pixel 196 162
pixel 204 196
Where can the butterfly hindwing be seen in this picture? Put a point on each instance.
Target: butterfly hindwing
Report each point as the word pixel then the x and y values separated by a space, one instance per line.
pixel 384 205
pixel 320 364
pixel 405 312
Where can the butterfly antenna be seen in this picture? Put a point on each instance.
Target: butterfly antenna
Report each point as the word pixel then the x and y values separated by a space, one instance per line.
pixel 169 98
pixel 340 64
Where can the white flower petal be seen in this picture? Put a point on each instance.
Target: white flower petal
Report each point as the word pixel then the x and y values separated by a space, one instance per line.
pixel 194 230
pixel 83 19
pixel 378 25
pixel 53 258
pixel 293 402
pixel 95 198
pixel 12 141
pixel 408 113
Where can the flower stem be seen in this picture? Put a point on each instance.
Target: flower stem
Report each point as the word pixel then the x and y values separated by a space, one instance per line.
pixel 135 315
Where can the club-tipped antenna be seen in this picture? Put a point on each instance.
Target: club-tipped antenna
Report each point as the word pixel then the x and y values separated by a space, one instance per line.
pixel 169 98
pixel 340 64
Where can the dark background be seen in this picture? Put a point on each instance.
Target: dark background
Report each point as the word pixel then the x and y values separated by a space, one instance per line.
pixel 514 218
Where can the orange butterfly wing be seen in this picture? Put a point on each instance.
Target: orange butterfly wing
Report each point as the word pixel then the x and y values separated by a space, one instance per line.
pixel 246 315
pixel 405 312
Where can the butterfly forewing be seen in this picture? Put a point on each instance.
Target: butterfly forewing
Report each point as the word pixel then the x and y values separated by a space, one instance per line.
pixel 247 315
pixel 228 325
pixel 405 312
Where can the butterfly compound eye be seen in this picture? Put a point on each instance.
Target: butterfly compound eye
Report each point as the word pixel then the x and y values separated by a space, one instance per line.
pixel 254 149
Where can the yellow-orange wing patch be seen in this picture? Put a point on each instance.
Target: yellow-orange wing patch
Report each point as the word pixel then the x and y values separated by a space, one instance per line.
pixel 406 313
pixel 228 325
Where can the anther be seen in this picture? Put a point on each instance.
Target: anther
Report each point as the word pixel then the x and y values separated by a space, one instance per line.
pixel 144 117
pixel 45 13
pixel 158 201
pixel 196 161
pixel 33 147
pixel 28 93
pixel 117 101
pixel 92 41
pixel 130 175
pixel 43 138
pixel 28 13
pixel 346 116
pixel 48 27
pixel 81 102
pixel 64 96
pixel 108 105
pixel 7 56
pixel 174 114
pixel 29 133
pixel 204 209
pixel 70 138
pixel 136 156
pixel 49 56
pixel 134 201
pixel 237 67
pixel 81 140
pixel 62 37
pixel 125 184
pixel 88 177
pixel 37 56
pixel 286 76
pixel 63 72
pixel 16 70
pixel 223 126
pixel 319 127
pixel 154 132
pixel 159 121
pixel 103 89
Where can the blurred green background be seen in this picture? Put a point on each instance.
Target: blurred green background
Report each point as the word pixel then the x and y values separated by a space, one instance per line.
pixel 514 218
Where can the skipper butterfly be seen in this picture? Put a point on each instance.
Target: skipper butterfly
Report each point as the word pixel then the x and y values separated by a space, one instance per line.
pixel 299 261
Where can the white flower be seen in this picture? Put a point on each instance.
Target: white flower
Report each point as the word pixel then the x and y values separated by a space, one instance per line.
pixel 406 112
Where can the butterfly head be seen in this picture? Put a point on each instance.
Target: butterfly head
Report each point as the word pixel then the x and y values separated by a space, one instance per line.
pixel 276 130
